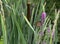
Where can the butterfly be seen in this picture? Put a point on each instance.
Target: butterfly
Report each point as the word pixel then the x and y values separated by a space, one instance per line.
pixel 38 23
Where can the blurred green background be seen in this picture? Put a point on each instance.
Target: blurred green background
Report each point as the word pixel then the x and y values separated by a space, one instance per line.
pixel 50 7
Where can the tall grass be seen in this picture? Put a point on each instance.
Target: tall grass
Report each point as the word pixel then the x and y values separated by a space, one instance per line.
pixel 17 29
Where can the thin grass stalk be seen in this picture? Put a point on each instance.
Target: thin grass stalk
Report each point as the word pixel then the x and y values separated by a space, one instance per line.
pixel 54 26
pixel 3 23
pixel 28 22
pixel 19 28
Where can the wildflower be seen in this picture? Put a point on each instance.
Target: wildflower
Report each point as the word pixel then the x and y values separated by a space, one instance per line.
pixel 43 16
pixel 41 33
pixel 48 30
pixel 53 34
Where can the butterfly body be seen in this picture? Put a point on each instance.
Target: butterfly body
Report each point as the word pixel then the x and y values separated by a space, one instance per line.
pixel 38 23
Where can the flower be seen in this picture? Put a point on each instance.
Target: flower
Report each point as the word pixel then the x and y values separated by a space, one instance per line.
pixel 41 33
pixel 43 16
pixel 53 34
pixel 48 30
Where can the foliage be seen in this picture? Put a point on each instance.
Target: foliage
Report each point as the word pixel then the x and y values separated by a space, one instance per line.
pixel 18 30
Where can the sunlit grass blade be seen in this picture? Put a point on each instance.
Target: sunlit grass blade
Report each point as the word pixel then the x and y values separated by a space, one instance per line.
pixel 54 26
pixel 4 29
pixel 28 22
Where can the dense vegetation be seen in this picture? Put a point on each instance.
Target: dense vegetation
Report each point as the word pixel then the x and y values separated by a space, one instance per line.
pixel 42 25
